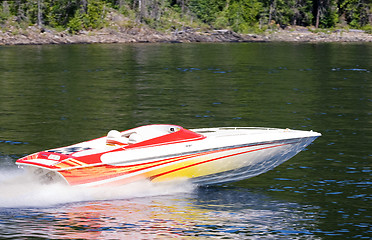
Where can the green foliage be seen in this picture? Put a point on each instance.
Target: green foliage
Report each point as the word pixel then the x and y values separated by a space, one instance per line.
pixel 243 14
pixel 127 11
pixel 367 29
pixel 76 23
pixel 222 20
pixel 59 13
pixel 328 17
pixel 239 15
pixel 95 14
pixel 357 12
pixel 207 10
pixel 288 12
pixel 92 19
pixel 4 12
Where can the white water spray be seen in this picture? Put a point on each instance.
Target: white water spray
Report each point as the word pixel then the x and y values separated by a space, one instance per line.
pixel 18 189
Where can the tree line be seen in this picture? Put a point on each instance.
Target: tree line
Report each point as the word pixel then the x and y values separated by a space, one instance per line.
pixel 239 15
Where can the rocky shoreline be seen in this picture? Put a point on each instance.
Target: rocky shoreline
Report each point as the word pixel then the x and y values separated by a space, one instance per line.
pixel 36 36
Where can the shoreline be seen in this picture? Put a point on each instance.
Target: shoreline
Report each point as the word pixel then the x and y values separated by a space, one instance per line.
pixel 36 36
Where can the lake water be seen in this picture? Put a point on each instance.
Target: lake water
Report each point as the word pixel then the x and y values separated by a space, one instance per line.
pixel 53 96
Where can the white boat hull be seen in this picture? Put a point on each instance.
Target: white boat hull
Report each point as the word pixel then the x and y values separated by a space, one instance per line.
pixel 202 156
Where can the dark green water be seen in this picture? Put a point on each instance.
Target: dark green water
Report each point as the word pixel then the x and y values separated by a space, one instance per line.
pixel 53 96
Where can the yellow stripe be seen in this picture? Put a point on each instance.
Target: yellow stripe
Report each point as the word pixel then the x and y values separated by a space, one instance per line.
pixel 79 163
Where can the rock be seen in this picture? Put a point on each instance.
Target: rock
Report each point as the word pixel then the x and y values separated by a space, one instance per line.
pixel 34 35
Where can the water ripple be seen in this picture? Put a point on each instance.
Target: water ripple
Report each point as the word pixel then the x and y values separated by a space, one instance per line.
pixel 351 69
pixel 12 142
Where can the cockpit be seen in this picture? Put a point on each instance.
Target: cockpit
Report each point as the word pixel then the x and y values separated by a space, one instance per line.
pixel 136 135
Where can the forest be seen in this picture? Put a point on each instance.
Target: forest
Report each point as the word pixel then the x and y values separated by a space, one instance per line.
pixel 242 16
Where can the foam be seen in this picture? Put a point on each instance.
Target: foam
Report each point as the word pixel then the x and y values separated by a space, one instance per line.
pixel 18 189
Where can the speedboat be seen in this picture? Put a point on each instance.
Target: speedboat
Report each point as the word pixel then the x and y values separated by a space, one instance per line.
pixel 162 152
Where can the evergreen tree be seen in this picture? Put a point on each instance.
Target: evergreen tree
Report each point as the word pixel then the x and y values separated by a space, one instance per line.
pixel 238 15
pixel 357 13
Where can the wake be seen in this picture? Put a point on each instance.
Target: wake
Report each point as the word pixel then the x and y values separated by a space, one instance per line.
pixel 18 189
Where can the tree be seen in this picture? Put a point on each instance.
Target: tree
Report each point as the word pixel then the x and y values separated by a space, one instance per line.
pixel 39 13
pixel 244 14
pixel 325 12
pixel 207 10
pixel 239 15
pixel 357 13
pixel 59 13
pixel 4 11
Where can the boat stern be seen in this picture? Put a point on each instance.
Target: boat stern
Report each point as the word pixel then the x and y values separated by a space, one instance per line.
pixel 42 166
